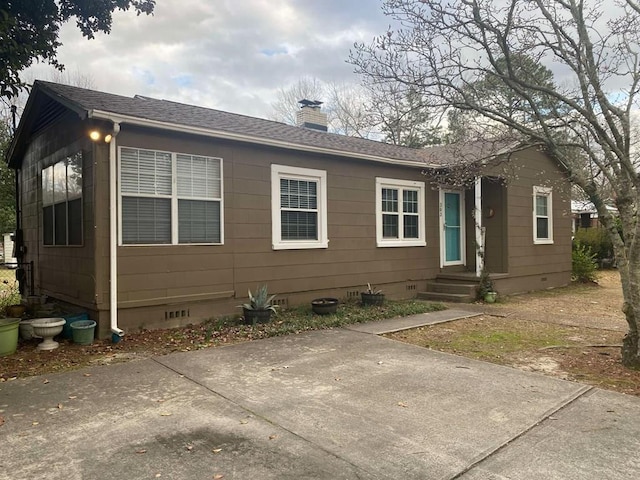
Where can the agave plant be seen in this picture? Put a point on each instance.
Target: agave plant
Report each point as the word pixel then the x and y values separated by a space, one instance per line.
pixel 261 300
pixel 372 290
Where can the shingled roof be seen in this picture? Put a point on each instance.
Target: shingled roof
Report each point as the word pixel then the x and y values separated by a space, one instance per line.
pixel 172 115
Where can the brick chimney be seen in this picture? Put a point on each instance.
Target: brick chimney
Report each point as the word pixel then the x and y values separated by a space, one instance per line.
pixel 311 116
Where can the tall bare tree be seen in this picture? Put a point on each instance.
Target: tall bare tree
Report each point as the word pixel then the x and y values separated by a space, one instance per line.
pixel 468 124
pixel 349 114
pixel 285 107
pixel 77 78
pixel 444 49
pixel 377 112
pixel 402 116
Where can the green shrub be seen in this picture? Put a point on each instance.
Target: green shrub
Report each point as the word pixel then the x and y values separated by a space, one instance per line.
pixel 583 264
pixel 597 240
pixel 485 285
pixel 9 294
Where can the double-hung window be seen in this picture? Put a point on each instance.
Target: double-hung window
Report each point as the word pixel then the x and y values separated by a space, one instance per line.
pixel 62 202
pixel 399 213
pixel 298 208
pixel 170 198
pixel 542 215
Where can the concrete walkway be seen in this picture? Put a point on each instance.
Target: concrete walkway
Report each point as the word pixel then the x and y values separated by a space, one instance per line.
pixel 412 321
pixel 334 404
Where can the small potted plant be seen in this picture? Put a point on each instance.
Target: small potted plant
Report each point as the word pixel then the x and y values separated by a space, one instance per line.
pixel 490 297
pixel 259 308
pixel 486 290
pixel 372 296
pixel 16 310
pixel 324 306
pixel 10 300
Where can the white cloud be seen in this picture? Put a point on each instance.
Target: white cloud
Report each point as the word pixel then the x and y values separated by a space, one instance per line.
pixel 231 55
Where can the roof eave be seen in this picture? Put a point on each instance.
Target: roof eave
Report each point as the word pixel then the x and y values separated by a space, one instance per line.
pixel 144 122
pixel 13 155
pixel 64 101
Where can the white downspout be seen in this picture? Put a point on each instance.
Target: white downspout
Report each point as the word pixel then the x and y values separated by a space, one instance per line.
pixel 113 233
pixel 477 215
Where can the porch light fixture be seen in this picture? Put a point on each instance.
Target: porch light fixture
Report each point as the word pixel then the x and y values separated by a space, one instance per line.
pixel 96 135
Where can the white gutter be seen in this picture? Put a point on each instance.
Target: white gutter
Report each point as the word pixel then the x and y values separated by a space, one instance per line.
pixel 206 132
pixel 477 215
pixel 113 233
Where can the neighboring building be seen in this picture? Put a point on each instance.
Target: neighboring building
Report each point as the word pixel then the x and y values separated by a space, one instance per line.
pixel 185 208
pixel 8 250
pixel 585 215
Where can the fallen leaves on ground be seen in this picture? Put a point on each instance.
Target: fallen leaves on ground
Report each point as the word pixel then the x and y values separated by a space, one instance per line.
pixel 595 308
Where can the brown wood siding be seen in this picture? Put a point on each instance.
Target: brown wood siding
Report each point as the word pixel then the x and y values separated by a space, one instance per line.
pixel 155 282
pixel 532 264
pixel 65 272
pixel 496 251
pixel 247 258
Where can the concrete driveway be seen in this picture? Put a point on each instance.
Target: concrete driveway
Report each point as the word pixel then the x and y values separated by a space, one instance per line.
pixel 334 404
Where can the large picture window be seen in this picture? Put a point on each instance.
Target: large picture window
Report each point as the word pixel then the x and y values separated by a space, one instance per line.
pixel 299 208
pixel 62 202
pixel 399 213
pixel 542 215
pixel 170 198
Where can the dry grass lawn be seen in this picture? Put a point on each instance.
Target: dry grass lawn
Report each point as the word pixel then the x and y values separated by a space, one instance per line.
pixel 572 333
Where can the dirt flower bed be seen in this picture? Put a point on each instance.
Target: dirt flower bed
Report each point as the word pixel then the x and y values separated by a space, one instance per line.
pixel 573 333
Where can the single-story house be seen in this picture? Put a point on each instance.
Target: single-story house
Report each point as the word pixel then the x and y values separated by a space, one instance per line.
pixel 149 213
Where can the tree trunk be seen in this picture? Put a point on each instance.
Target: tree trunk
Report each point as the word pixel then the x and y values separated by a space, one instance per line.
pixel 627 254
pixel 630 355
pixel 628 259
pixel 631 309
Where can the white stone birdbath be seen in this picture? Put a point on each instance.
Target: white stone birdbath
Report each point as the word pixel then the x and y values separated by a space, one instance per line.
pixel 48 328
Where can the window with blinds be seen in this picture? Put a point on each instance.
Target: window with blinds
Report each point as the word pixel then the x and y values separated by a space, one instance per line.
pixel 399 213
pixel 62 202
pixel 170 198
pixel 299 208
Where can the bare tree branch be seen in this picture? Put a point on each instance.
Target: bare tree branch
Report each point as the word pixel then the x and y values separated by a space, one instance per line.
pixel 468 57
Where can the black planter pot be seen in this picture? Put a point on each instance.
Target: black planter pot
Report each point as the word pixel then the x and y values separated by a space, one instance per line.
pixel 252 317
pixel 324 306
pixel 372 298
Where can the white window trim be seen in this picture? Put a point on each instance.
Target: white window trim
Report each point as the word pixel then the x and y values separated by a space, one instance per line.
pixel 543 191
pixel 320 176
pixel 400 185
pixel 174 200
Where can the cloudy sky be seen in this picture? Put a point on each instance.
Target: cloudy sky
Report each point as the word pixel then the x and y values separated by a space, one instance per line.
pixel 232 55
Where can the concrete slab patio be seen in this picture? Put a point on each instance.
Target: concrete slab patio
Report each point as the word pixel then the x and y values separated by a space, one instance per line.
pixel 333 404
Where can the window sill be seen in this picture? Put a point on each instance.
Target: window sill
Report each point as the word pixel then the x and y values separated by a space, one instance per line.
pixel 300 245
pixel 168 244
pixel 401 243
pixel 543 241
pixel 44 245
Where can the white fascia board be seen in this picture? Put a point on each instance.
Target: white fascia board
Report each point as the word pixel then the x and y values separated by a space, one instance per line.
pixel 126 119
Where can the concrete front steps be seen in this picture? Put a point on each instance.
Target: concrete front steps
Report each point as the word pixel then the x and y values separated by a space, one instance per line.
pixel 456 288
